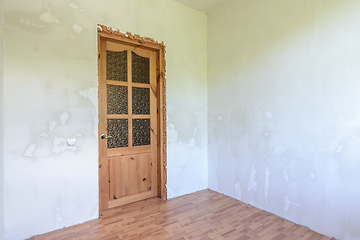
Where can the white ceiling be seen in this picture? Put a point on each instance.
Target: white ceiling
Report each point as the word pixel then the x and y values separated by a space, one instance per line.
pixel 201 5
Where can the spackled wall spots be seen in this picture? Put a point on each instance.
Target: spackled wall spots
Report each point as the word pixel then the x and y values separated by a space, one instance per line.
pixel 187 101
pixel 284 76
pixel 51 102
pixel 252 184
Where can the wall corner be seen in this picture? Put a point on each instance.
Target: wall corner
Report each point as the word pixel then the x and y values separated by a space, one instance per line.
pixel 1 124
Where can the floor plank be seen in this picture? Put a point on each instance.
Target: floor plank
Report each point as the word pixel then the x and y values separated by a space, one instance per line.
pixel 202 215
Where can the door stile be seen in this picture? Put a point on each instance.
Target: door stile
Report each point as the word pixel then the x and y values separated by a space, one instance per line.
pixel 129 67
pixel 162 162
pixel 153 123
pixel 103 166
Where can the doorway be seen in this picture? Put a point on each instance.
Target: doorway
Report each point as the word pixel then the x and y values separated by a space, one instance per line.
pixel 132 118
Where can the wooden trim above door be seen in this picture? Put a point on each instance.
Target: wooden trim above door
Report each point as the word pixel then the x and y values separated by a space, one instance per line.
pixel 114 35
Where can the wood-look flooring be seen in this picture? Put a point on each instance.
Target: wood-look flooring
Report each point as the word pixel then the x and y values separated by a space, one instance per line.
pixel 202 215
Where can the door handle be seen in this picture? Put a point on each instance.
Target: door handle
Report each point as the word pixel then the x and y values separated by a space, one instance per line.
pixel 103 136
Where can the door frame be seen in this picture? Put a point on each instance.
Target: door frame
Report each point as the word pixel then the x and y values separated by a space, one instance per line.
pixel 114 35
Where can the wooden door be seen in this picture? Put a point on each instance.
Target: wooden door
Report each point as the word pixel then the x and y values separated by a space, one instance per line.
pixel 128 124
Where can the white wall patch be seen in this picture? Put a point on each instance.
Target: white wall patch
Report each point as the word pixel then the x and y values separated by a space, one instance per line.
pixel 286 176
pixel 59 145
pixel 30 150
pixel 269 114
pixel 47 17
pixel 73 6
pixel 172 134
pixel 77 28
pixel 63 118
pixel 252 183
pixel 288 203
pixel 339 148
pixel 52 125
pixel 267 183
pixel 238 191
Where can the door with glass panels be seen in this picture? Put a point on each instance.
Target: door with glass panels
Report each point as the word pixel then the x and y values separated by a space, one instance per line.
pixel 127 124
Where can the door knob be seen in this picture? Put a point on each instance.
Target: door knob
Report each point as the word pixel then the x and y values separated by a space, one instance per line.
pixel 103 136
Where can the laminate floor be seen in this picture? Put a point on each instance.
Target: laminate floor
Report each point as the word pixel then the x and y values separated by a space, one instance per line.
pixel 202 215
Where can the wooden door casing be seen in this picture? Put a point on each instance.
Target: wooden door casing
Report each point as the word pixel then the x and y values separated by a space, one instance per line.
pixel 128 174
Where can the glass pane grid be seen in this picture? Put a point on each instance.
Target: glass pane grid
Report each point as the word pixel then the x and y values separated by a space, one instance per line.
pixel 117 101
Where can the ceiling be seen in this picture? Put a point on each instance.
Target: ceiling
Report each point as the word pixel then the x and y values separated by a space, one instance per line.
pixel 201 5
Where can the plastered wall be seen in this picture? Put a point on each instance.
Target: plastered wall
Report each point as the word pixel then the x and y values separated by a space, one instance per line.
pixel 284 109
pixel 50 83
pixel 1 127
pixel 187 137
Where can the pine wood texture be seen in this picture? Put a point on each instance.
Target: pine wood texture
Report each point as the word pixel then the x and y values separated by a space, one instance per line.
pixel 202 215
pixel 135 169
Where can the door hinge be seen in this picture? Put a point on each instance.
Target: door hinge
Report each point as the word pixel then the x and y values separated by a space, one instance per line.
pixel 99 55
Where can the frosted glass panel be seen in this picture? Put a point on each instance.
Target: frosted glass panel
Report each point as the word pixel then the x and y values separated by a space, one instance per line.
pixel 116 66
pixel 118 130
pixel 140 100
pixel 141 132
pixel 117 99
pixel 140 69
